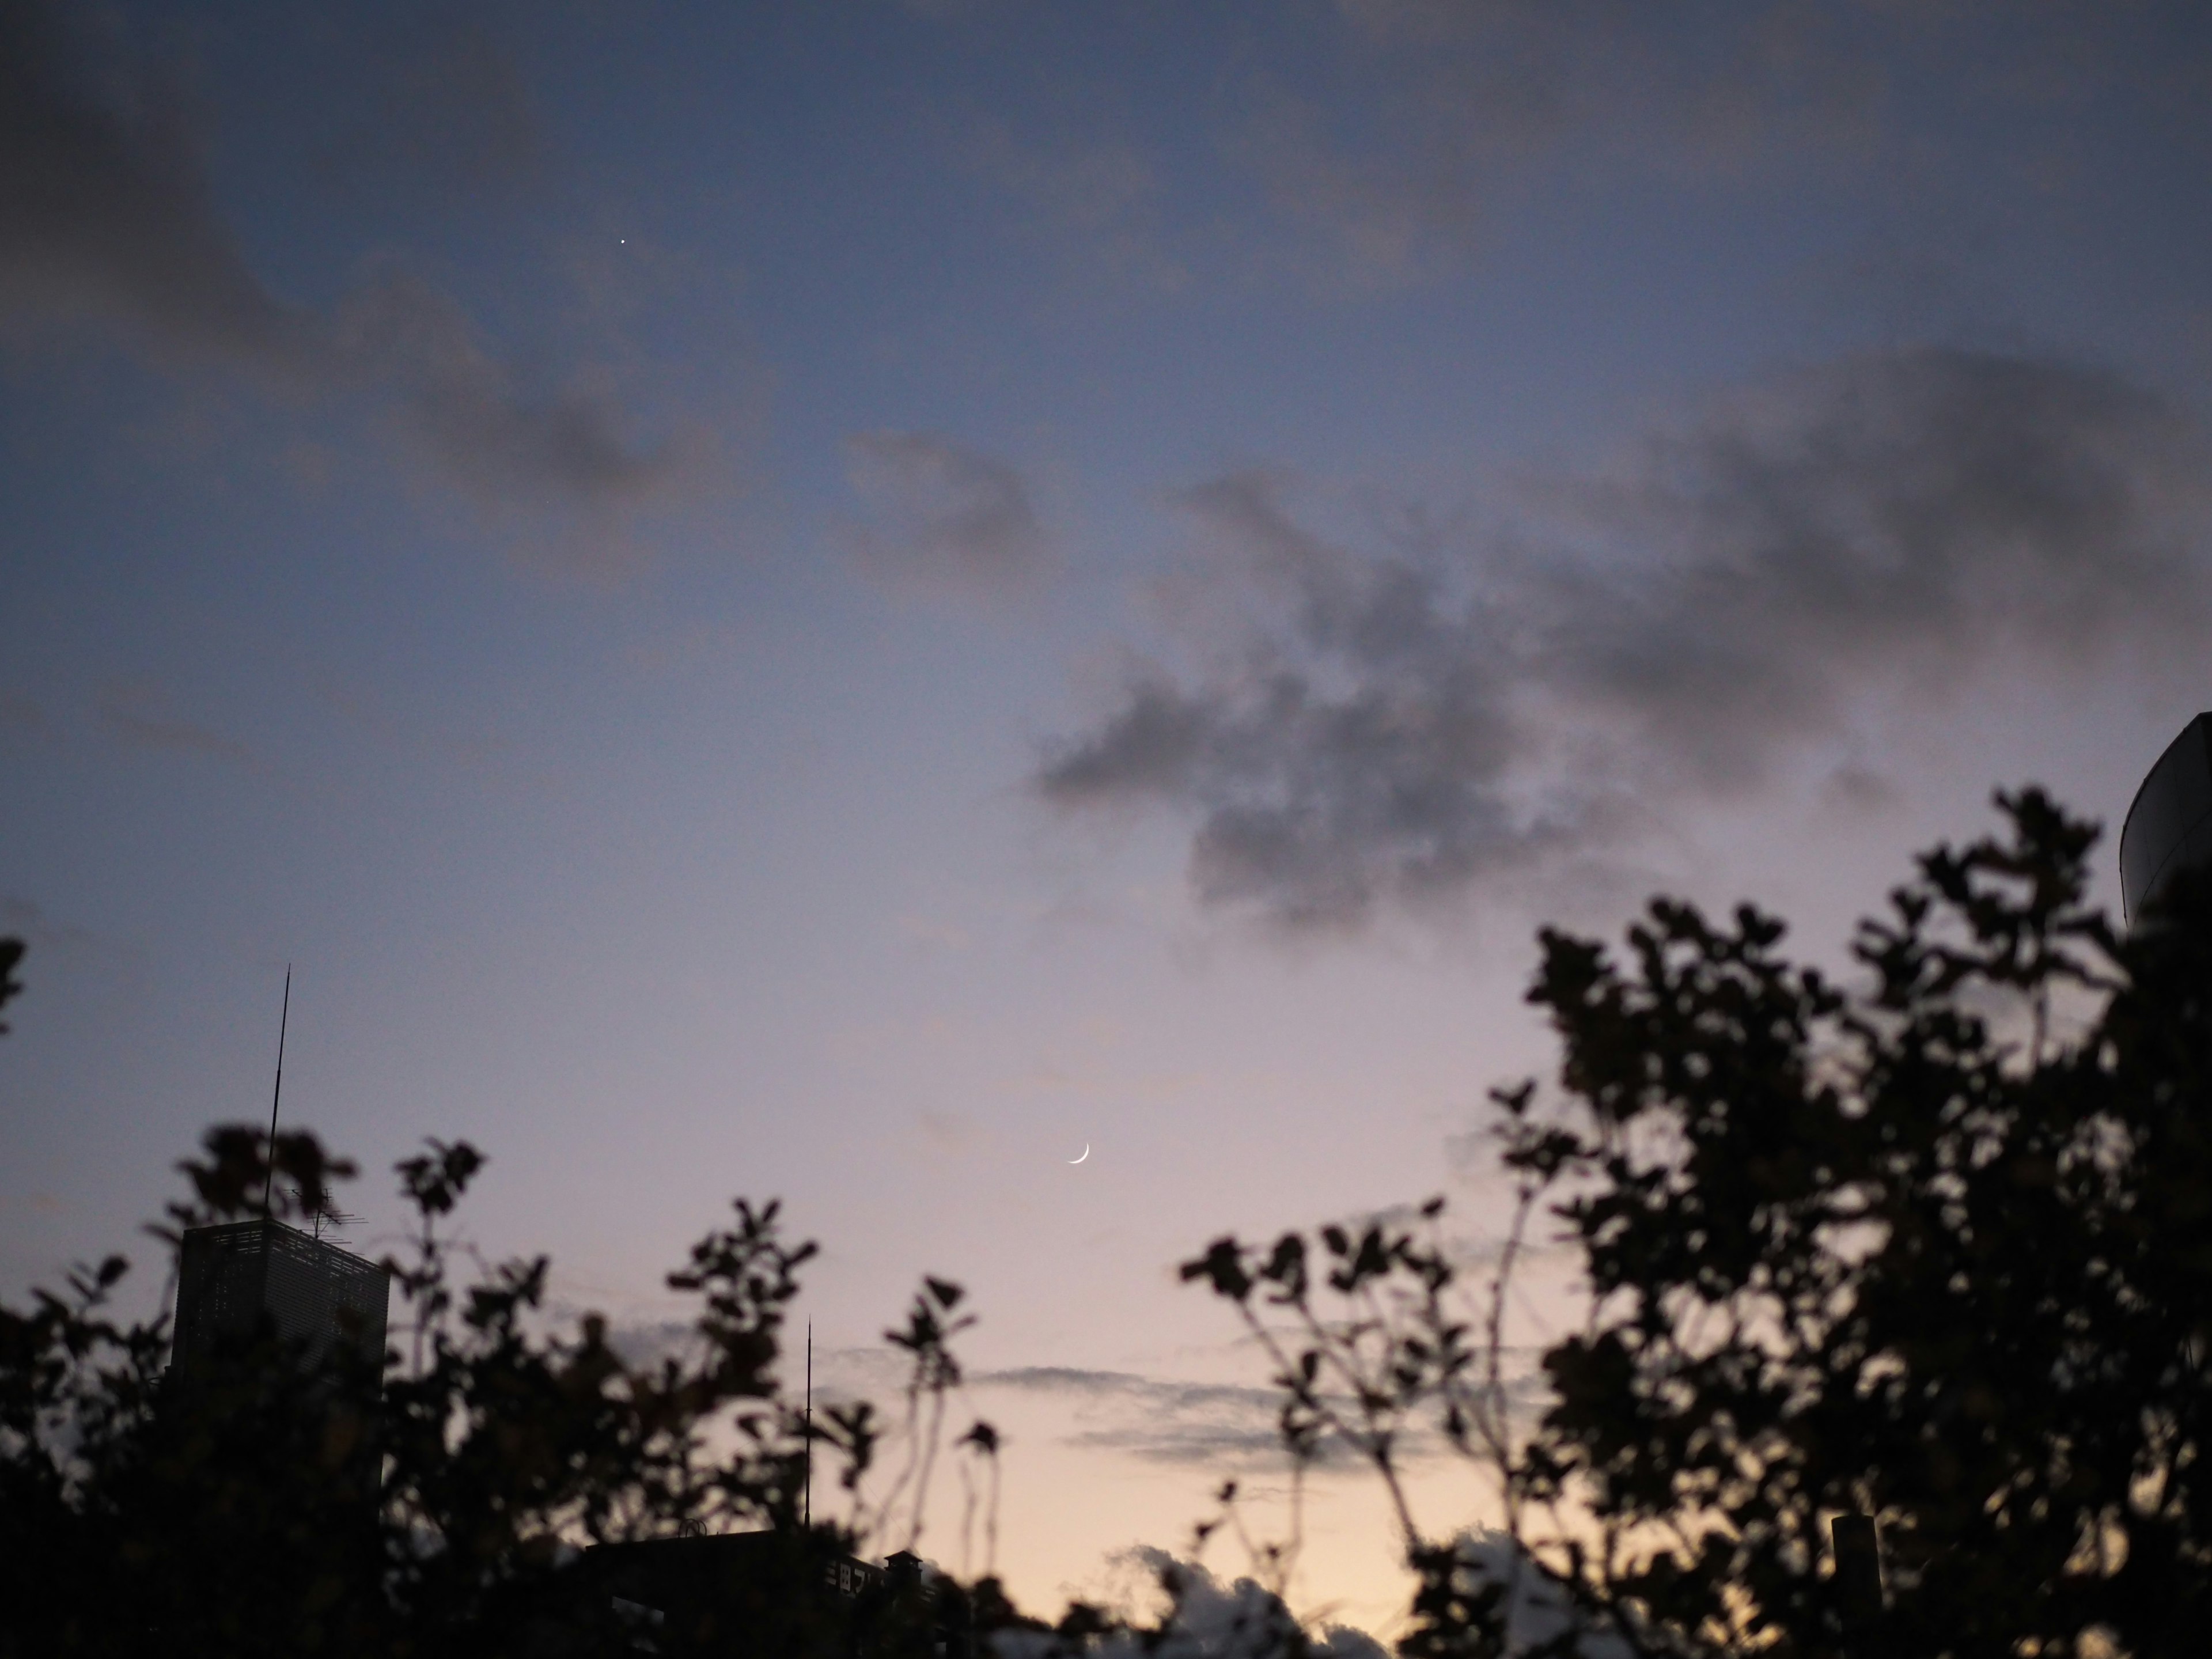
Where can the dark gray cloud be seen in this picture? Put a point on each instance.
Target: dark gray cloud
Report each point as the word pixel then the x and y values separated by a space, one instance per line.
pixel 105 211
pixel 44 933
pixel 108 218
pixel 1199 1423
pixel 486 431
pixel 945 518
pixel 1204 1426
pixel 1359 729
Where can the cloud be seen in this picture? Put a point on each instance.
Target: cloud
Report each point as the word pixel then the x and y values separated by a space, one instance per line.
pixel 107 217
pixel 1463 105
pixel 126 715
pixel 105 211
pixel 1197 1425
pixel 1360 730
pixel 946 519
pixel 503 444
pixel 1098 198
pixel 21 917
pixel 1161 1422
pixel 1469 101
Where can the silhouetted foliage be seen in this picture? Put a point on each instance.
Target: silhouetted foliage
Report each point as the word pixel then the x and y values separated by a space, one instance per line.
pixel 1927 1252
pixel 11 955
pixel 1933 1248
pixel 448 1501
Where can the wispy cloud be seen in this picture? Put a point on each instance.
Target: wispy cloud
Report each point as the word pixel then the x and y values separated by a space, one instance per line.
pixel 107 218
pixel 1464 105
pixel 1099 196
pixel 558 453
pixel 945 520
pixel 133 716
pixel 105 211
pixel 1207 1426
pixel 1355 730
pixel 1159 1421
pixel 22 917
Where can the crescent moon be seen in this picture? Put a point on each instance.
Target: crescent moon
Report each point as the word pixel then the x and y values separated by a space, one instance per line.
pixel 1086 1152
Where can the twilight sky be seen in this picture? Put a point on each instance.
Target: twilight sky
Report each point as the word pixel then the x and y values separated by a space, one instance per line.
pixel 842 600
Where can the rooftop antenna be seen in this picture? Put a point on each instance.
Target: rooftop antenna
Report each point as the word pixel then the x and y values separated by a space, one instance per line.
pixel 326 1212
pixel 810 1424
pixel 284 1020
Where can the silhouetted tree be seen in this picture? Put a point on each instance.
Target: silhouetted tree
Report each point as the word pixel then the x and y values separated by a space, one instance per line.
pixel 1933 1248
pixel 248 1501
pixel 11 954
pixel 454 1498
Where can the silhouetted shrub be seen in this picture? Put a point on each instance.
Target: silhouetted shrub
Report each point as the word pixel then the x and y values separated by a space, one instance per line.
pixel 1934 1249
pixel 491 1487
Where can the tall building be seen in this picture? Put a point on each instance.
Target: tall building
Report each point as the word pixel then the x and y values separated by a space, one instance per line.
pixel 230 1278
pixel 2169 827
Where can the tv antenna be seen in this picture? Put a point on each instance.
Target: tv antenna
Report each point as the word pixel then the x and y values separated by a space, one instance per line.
pixel 284 1020
pixel 324 1211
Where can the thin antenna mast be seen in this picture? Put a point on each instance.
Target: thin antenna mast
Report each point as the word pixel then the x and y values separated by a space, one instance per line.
pixel 810 1424
pixel 276 1099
